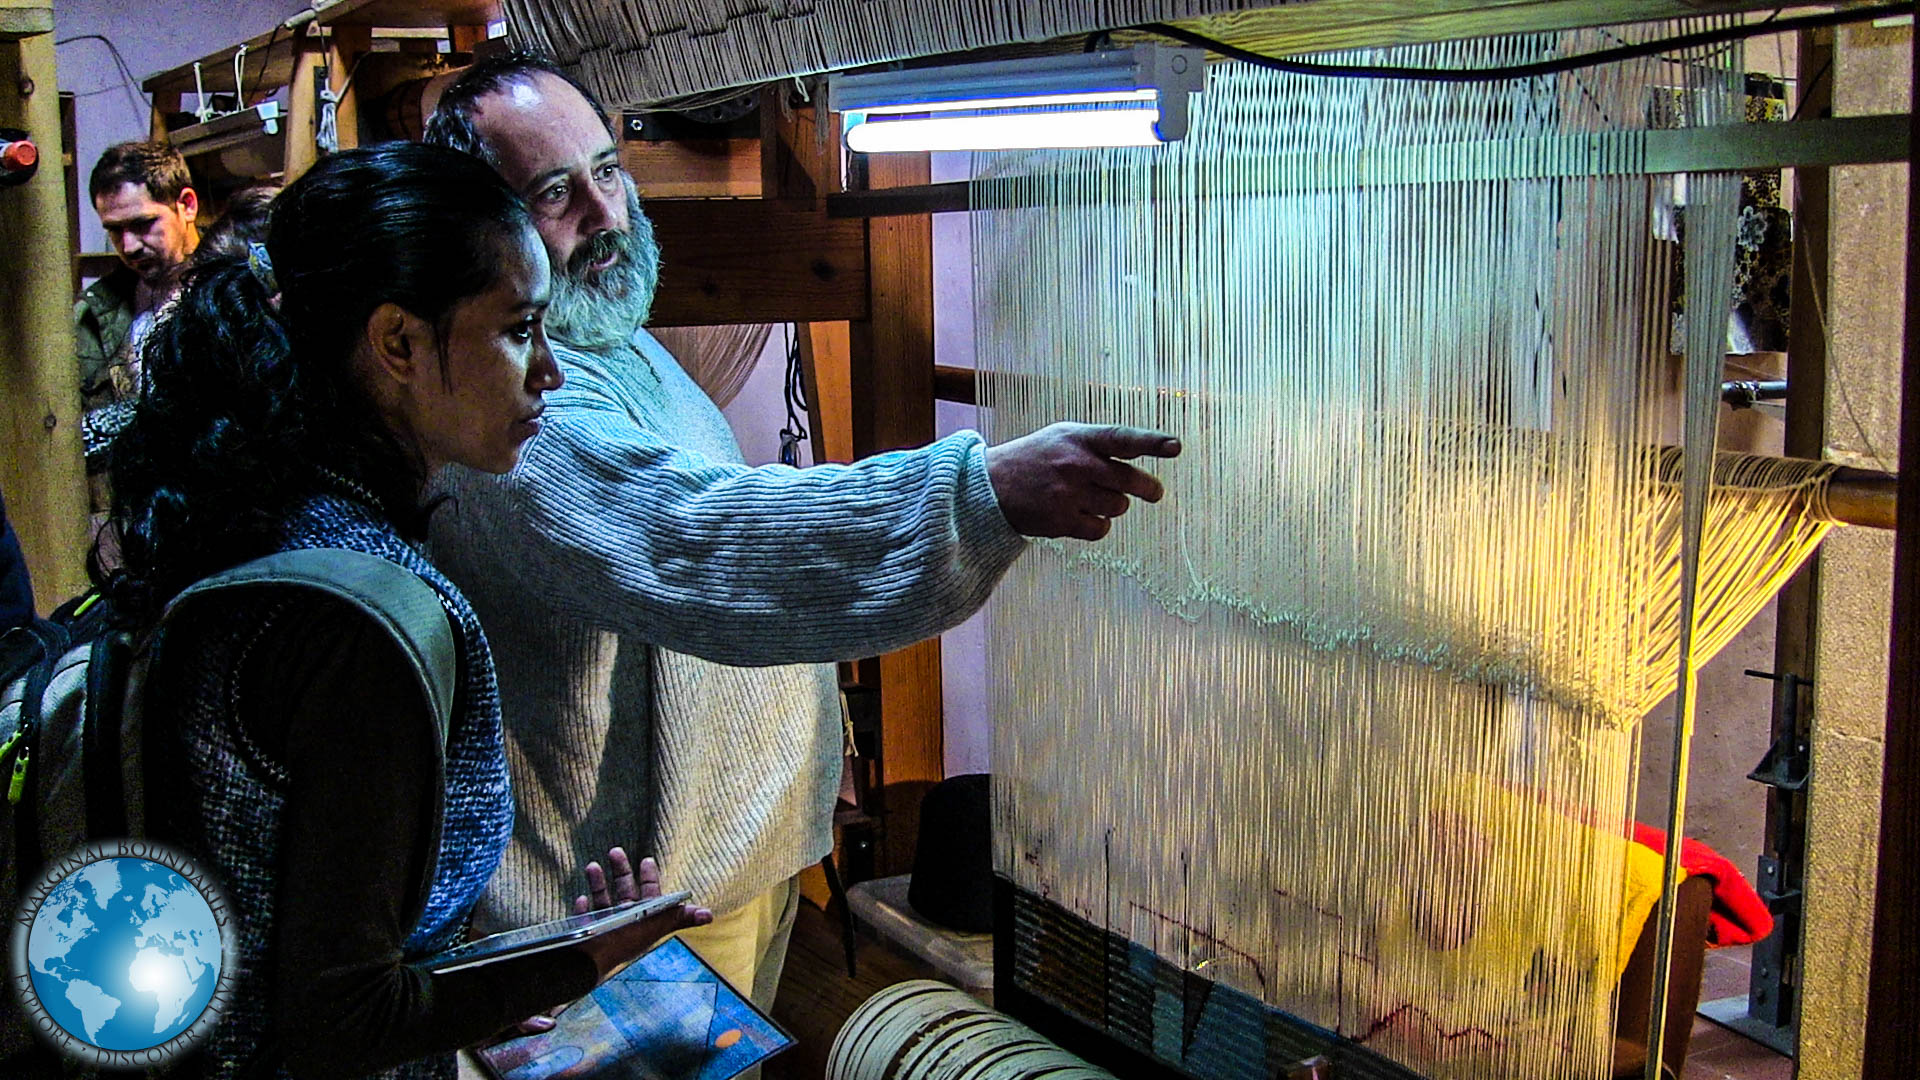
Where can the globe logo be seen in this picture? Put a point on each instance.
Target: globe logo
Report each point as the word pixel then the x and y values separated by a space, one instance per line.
pixel 123 954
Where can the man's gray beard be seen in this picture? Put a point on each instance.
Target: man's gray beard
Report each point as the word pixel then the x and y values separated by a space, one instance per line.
pixel 596 311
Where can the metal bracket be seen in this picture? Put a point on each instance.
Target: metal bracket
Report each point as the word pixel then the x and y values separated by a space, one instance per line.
pixel 1787 762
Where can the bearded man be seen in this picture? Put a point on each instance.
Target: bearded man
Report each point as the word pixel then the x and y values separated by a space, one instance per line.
pixel 637 581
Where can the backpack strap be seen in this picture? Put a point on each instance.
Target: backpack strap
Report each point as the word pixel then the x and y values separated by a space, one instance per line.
pixel 394 596
pixel 21 783
pixel 398 599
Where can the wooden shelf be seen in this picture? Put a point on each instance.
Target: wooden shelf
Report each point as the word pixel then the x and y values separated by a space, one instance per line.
pixel 436 13
pixel 268 65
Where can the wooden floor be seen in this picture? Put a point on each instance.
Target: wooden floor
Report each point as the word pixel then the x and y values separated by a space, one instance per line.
pixel 816 996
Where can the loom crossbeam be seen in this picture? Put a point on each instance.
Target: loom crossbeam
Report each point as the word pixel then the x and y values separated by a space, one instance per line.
pixel 1849 496
pixel 1849 140
pixel 639 52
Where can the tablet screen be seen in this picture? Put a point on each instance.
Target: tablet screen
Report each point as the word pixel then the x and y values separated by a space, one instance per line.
pixel 549 935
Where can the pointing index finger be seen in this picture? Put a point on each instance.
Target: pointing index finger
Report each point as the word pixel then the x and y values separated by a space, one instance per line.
pixel 1121 441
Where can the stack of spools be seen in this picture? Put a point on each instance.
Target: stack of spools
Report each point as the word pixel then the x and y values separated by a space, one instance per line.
pixel 925 1030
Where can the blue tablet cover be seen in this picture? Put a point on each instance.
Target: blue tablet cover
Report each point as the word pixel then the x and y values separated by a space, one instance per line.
pixel 668 1016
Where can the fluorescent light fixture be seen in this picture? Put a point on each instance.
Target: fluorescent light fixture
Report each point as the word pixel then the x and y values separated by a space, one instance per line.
pixel 1013 131
pixel 1122 97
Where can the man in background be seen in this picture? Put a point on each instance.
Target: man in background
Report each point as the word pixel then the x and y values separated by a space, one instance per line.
pixel 147 204
pixel 632 569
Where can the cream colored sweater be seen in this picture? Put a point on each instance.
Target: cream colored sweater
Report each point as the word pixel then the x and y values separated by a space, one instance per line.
pixel 630 528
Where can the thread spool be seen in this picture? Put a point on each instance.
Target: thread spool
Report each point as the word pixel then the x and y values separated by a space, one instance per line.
pixel 925 1030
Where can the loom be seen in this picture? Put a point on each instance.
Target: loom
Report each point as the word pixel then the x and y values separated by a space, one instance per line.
pixel 1365 693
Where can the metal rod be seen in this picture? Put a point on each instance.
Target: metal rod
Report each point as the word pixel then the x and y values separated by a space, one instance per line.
pixel 1745 393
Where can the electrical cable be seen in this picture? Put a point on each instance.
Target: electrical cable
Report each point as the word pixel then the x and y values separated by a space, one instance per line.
pixel 326 131
pixel 1543 67
pixel 131 84
pixel 795 432
pixel 266 58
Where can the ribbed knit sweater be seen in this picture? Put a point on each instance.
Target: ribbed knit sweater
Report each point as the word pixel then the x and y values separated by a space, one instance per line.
pixel 629 560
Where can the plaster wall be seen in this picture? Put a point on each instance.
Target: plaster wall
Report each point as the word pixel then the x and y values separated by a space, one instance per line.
pixel 1864 318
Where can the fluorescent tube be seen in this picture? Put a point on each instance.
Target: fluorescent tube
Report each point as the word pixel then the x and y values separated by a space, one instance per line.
pixel 1007 131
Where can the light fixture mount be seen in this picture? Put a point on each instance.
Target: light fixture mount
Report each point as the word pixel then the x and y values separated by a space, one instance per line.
pixel 1118 97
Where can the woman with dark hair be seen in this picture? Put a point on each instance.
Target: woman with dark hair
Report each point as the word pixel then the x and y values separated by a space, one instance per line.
pixel 300 398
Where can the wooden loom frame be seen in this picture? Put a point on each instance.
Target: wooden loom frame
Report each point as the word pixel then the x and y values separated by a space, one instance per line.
pixel 1893 1040
pixel 864 298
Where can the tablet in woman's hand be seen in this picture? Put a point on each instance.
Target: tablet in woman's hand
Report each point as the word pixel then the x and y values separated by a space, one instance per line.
pixel 550 935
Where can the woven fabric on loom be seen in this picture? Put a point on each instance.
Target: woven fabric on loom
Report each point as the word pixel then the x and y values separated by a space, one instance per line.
pixel 632 52
pixel 1349 724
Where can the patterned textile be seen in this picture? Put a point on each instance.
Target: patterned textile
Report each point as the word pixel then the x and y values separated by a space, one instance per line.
pixel 1763 249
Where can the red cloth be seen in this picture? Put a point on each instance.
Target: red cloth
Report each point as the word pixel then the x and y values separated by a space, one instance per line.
pixel 1739 916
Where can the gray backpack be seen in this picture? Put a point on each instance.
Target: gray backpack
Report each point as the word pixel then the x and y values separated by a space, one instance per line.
pixel 70 709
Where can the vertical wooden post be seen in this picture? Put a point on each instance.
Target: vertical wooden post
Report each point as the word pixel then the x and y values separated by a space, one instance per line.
pixel 826 371
pixel 798 162
pixel 41 473
pixel 164 105
pixel 310 67
pixel 344 49
pixel 462 39
pixel 1893 993
pixel 893 347
pixel 892 371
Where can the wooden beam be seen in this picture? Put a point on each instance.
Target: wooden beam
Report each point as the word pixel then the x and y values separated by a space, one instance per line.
pixel 1322 25
pixel 893 350
pixel 303 110
pixel 917 199
pixel 267 65
pixel 1850 140
pixel 756 260
pixel 826 371
pixel 693 168
pixel 911 748
pixel 433 13
pixel 462 39
pixel 41 474
pixel 165 104
pixel 1796 611
pixel 892 377
pixel 956 384
pixel 345 46
pixel 798 159
pixel 1892 1050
